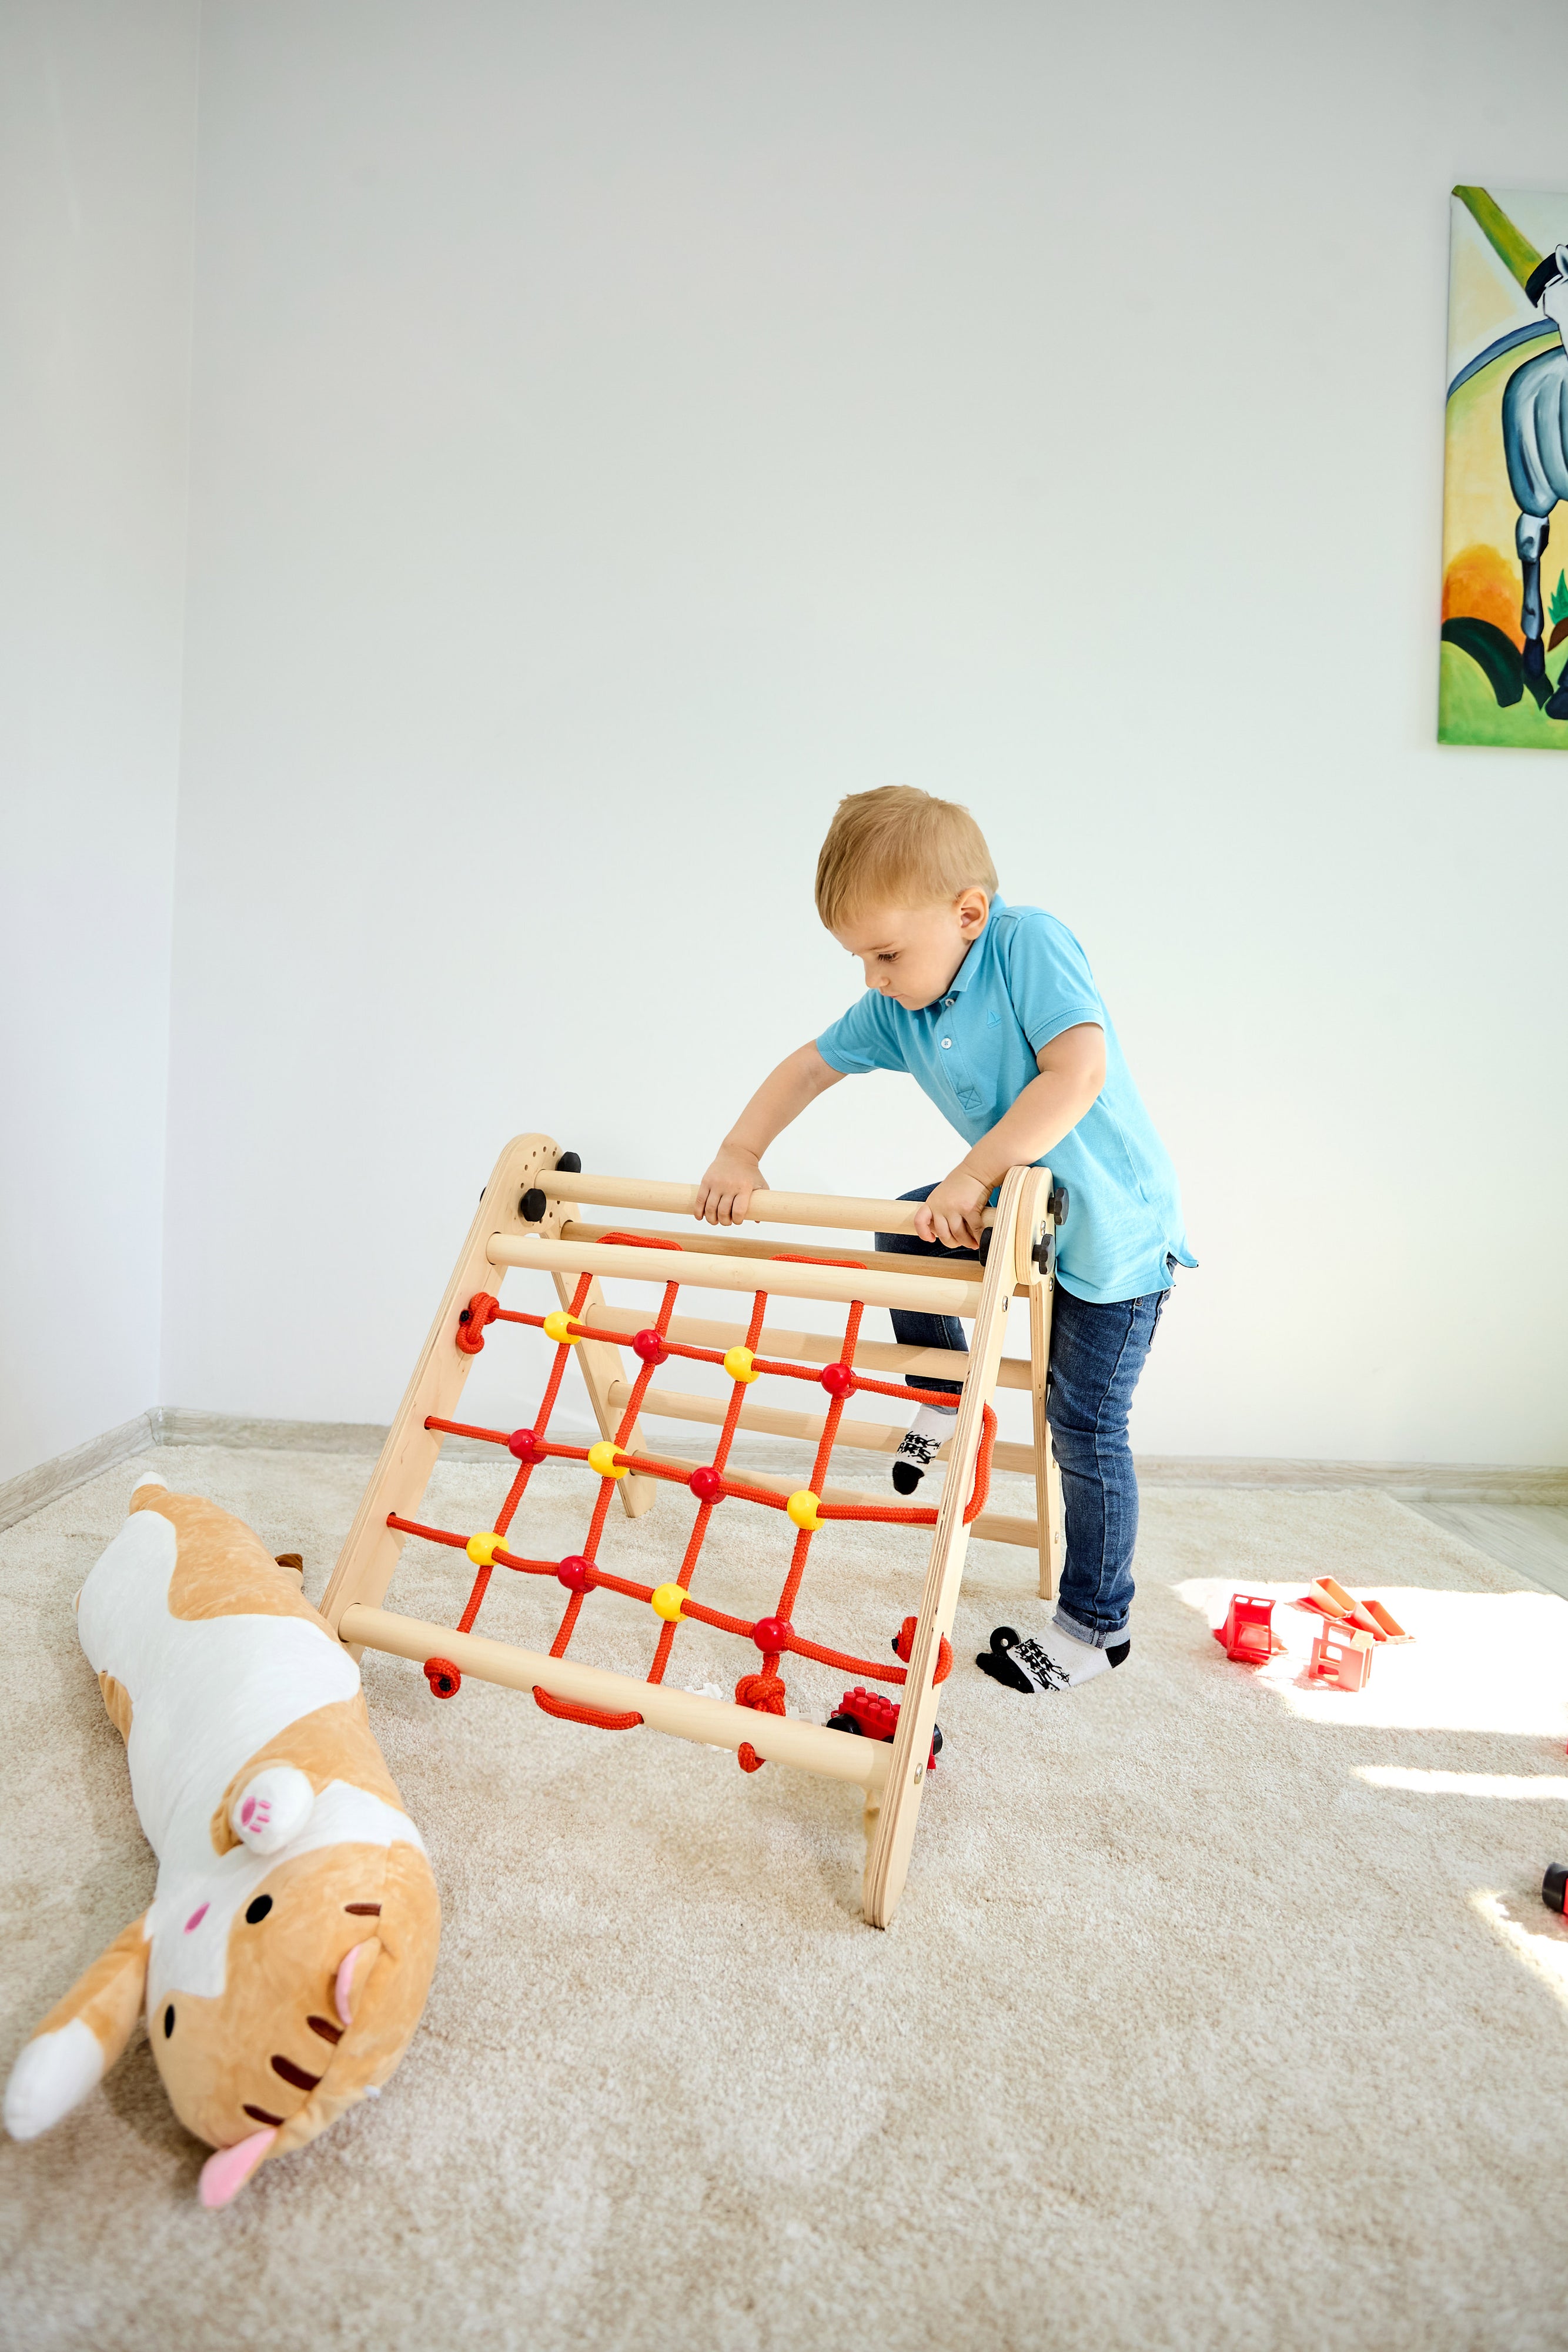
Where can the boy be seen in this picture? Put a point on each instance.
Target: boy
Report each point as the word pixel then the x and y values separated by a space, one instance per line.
pixel 993 1010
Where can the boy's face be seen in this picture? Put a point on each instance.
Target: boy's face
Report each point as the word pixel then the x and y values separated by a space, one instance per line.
pixel 911 953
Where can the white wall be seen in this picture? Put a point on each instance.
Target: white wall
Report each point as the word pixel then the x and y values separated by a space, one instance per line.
pixel 97 154
pixel 620 430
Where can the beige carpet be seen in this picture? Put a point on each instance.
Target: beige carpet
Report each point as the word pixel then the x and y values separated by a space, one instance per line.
pixel 1218 2012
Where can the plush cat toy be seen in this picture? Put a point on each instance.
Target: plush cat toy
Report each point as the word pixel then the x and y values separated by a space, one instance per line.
pixel 285 1959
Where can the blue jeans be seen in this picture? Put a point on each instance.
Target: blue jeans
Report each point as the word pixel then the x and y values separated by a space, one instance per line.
pixel 1096 1356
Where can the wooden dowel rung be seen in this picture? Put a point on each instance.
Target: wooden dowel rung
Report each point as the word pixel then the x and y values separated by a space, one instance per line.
pixel 576 1229
pixel 773 1421
pixel 922 1293
pixel 831 1211
pixel 712 1722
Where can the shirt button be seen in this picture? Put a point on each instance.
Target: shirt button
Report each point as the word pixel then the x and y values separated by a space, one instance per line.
pixel 947 1041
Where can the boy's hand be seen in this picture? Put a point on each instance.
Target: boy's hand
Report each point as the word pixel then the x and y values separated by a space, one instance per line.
pixel 953 1214
pixel 725 1193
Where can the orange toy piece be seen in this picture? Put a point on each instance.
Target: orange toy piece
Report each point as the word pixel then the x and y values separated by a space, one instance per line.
pixel 1248 1635
pixel 1342 1655
pixel 1329 1600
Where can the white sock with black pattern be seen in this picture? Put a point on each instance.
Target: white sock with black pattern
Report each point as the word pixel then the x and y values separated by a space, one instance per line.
pixel 1053 1659
pixel 921 1441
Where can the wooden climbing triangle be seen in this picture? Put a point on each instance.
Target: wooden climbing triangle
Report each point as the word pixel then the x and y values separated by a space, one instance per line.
pixel 531 1217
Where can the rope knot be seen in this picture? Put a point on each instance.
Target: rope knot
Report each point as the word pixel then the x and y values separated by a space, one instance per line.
pixel 481 1309
pixel 763 1692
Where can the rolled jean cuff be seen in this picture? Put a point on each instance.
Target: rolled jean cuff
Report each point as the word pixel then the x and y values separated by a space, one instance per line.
pixel 1100 1637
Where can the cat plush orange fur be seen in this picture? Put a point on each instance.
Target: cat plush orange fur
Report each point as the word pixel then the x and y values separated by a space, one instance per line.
pixel 285 1961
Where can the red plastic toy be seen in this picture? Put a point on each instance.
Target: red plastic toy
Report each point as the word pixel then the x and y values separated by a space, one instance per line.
pixel 875 1717
pixel 1248 1635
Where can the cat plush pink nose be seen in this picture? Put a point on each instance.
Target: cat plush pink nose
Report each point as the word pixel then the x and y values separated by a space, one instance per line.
pixel 225 2174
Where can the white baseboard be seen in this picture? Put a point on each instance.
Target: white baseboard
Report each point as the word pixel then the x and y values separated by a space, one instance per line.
pixel 1485 1481
pixel 31 1489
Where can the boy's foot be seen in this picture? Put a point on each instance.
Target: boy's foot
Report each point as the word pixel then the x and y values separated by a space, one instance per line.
pixel 922 1440
pixel 1051 1661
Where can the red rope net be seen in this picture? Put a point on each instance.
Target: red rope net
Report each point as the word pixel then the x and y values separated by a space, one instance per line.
pixel 712 1483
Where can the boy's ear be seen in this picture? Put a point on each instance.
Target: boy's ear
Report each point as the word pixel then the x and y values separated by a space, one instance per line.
pixel 80 2038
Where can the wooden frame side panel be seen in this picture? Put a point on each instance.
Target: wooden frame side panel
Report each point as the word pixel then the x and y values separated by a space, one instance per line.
pixel 370 1553
pixel 891 1820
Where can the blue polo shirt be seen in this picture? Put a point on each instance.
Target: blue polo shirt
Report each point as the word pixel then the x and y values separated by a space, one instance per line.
pixel 1024 980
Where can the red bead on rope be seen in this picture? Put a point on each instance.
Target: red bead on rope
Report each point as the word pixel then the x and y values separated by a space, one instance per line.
pixel 649 1346
pixel 837 1379
pixel 575 1572
pixel 707 1485
pixel 525 1445
pixel 772 1634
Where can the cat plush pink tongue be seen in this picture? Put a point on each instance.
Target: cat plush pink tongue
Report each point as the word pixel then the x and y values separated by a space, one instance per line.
pixel 225 2174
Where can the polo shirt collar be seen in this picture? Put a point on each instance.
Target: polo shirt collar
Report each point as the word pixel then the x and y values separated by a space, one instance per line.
pixel 967 969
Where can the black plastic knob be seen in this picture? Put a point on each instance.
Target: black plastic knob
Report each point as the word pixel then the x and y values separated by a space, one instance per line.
pixel 533 1206
pixel 1554 1885
pixel 569 1164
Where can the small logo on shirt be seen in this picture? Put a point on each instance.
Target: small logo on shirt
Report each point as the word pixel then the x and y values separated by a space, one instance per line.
pixel 993 1019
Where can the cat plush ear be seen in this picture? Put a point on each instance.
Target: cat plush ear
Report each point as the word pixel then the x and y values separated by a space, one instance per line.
pixel 80 2038
pixel 378 1993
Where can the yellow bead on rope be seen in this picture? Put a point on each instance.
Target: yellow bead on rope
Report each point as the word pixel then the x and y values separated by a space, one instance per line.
pixel 738 1363
pixel 602 1457
pixel 558 1326
pixel 667 1601
pixel 803 1509
pixel 482 1549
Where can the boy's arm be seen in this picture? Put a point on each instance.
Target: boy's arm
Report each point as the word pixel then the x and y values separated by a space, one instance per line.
pixel 725 1193
pixel 1072 1073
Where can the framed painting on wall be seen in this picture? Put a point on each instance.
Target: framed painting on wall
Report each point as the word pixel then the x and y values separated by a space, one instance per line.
pixel 1505 599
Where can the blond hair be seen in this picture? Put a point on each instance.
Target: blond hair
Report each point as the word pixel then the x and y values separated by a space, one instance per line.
pixel 899 847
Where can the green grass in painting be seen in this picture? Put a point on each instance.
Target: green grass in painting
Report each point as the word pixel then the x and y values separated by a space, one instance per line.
pixel 1558 608
pixel 1515 252
pixel 1467 713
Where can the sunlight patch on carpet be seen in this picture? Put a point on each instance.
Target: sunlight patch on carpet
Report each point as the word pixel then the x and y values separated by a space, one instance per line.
pixel 1492 1662
pixel 1525 1785
pixel 1546 1954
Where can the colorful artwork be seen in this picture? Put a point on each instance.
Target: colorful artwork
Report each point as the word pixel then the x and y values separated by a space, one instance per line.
pixel 1505 600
